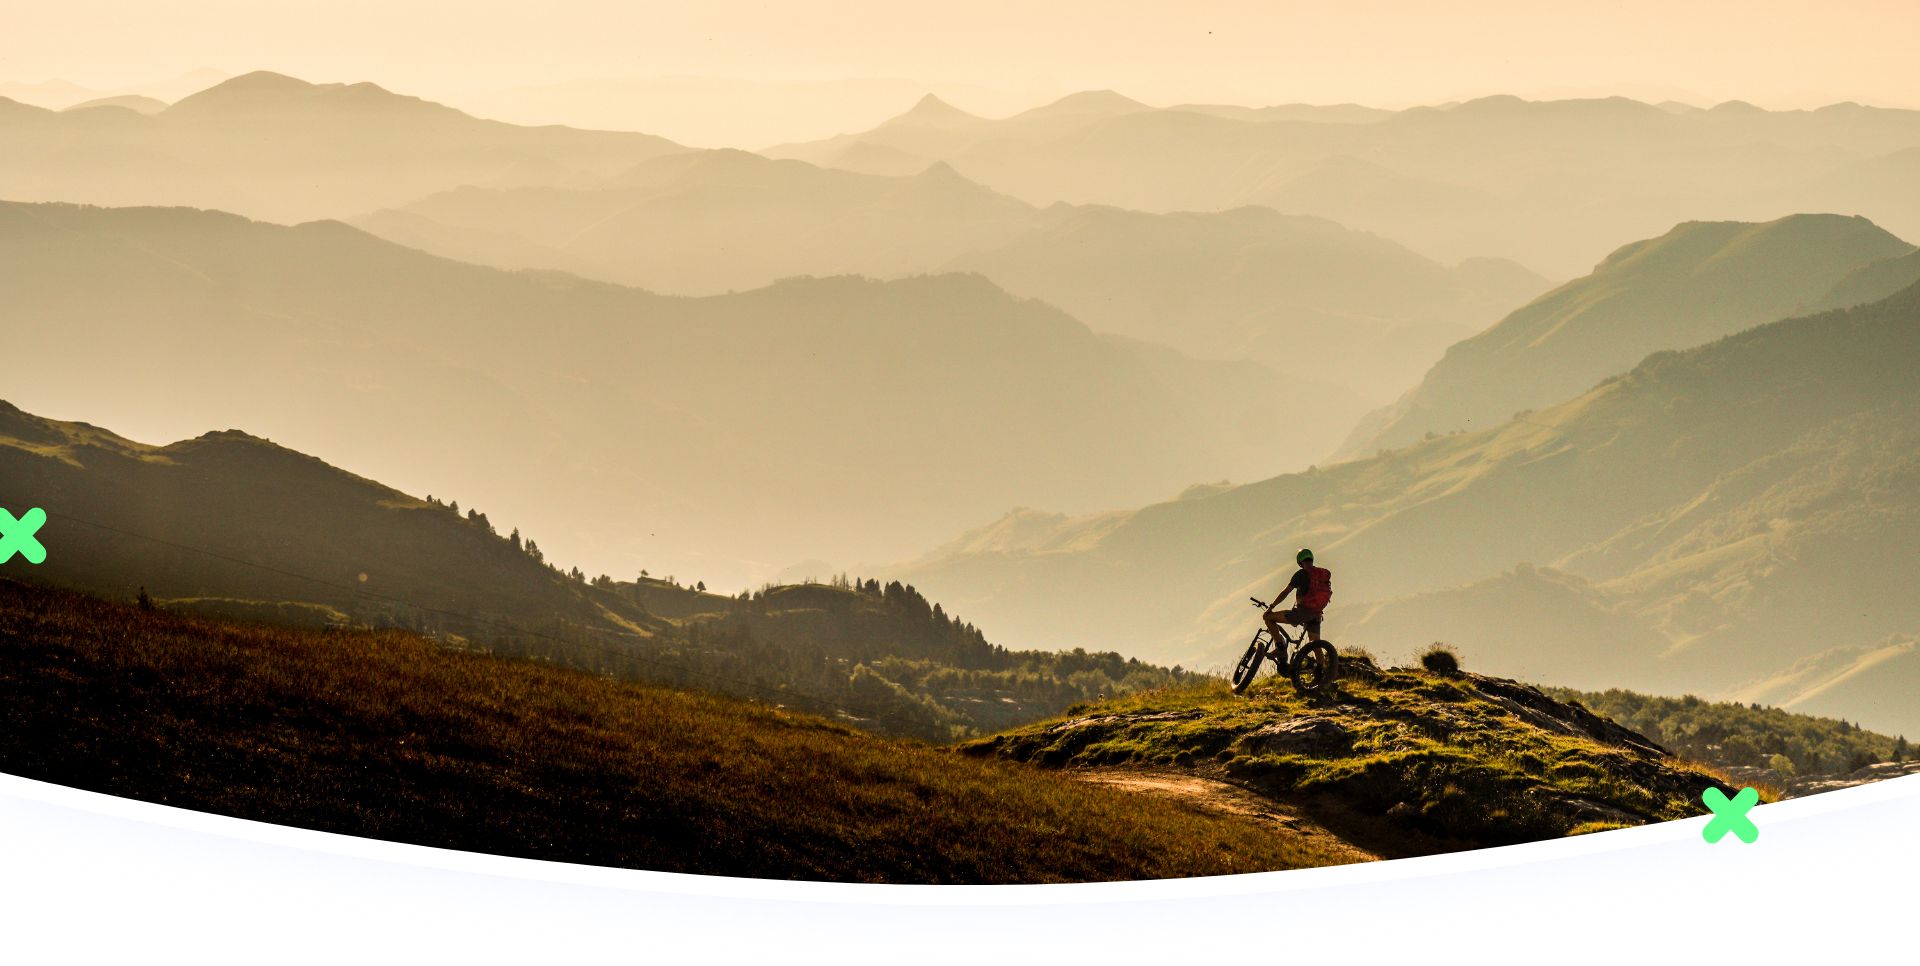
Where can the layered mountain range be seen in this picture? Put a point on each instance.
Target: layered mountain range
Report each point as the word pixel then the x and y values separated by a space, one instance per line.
pixel 1242 284
pixel 1687 468
pixel 720 438
pixel 1553 184
pixel 1737 517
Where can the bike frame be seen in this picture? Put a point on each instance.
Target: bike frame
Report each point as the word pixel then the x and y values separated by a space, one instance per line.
pixel 1286 643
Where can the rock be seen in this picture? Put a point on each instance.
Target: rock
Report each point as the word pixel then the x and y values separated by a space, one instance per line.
pixel 1299 736
pixel 1107 719
pixel 1814 784
pixel 1532 705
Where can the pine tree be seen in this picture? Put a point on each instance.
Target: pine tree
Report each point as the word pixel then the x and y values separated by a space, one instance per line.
pixel 515 538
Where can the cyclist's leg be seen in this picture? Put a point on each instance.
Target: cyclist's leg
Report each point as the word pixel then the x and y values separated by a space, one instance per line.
pixel 1304 618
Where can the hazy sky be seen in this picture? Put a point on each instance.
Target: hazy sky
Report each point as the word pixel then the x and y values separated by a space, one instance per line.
pixel 1388 54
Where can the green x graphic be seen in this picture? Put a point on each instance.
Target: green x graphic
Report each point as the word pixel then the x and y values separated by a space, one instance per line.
pixel 16 536
pixel 1730 814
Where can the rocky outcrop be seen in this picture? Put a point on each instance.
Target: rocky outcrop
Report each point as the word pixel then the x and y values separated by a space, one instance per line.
pixel 1796 786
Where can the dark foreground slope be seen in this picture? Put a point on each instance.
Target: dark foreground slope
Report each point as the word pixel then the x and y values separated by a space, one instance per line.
pixel 1398 761
pixel 387 735
pixel 231 525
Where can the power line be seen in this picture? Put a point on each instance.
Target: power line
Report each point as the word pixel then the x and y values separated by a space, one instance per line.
pixel 626 654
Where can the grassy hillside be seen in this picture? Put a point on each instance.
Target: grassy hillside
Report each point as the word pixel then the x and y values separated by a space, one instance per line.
pixel 1873 282
pixel 1750 502
pixel 228 524
pixel 1402 761
pixel 1694 284
pixel 231 515
pixel 388 735
pixel 719 438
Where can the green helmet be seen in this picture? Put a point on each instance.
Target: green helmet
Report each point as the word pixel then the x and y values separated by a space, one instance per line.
pixel 1304 557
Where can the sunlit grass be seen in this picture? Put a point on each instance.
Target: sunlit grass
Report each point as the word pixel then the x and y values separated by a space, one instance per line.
pixel 386 734
pixel 1447 755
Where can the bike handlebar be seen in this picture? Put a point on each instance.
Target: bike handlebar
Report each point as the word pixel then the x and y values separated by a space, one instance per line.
pixel 1257 602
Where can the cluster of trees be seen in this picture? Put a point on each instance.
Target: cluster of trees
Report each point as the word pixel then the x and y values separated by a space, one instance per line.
pixel 1729 733
pixel 879 656
pixel 529 546
pixel 474 517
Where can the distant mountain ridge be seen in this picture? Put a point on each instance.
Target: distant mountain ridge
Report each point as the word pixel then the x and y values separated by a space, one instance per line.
pixel 705 222
pixel 1242 284
pixel 272 146
pixel 1552 184
pixel 1304 295
pixel 1696 283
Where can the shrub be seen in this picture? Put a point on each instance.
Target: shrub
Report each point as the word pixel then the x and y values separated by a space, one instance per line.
pixel 1440 659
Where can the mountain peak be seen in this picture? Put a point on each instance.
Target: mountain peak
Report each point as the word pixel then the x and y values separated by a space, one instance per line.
pixel 1102 102
pixel 1492 103
pixel 266 90
pixel 250 88
pixel 1705 241
pixel 258 81
pixel 931 109
pixel 941 171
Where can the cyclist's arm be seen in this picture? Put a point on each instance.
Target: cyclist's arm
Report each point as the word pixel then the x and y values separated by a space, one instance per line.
pixel 1284 591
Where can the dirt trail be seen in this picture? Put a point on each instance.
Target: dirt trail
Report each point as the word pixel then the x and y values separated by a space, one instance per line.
pixel 1222 798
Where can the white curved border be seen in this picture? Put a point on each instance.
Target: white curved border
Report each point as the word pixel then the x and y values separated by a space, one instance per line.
pixel 89 877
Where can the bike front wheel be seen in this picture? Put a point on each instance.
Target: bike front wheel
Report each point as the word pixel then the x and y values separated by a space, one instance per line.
pixel 1314 667
pixel 1249 666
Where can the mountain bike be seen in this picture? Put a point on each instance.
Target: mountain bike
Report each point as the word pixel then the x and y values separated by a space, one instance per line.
pixel 1312 664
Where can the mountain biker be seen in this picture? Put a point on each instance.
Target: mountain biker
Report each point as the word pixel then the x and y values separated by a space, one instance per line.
pixel 1314 587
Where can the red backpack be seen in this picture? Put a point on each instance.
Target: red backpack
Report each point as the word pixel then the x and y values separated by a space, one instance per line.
pixel 1319 589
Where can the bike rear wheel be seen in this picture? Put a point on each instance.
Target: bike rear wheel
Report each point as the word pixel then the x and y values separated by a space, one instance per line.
pixel 1314 667
pixel 1249 666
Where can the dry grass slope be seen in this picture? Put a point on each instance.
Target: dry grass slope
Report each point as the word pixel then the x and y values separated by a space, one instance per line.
pixel 387 735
